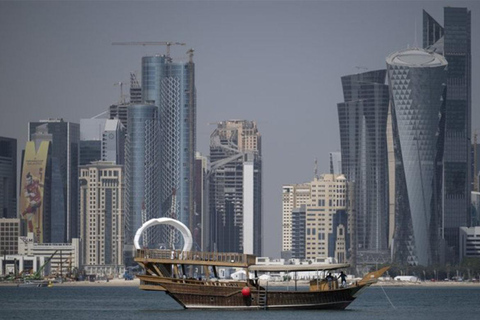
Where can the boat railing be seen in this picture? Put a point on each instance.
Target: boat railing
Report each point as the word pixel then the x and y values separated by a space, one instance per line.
pixel 196 256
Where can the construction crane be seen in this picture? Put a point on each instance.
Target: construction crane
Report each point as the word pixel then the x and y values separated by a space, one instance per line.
pixel 38 275
pixel 168 44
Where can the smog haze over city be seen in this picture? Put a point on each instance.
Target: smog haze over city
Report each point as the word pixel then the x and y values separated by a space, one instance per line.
pixel 278 63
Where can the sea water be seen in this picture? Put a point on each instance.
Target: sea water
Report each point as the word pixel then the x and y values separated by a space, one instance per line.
pixel 68 303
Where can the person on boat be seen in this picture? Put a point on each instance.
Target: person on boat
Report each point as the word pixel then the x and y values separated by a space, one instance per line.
pixel 329 279
pixel 343 279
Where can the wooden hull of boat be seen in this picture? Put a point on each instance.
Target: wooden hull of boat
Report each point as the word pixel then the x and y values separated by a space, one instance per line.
pixel 225 295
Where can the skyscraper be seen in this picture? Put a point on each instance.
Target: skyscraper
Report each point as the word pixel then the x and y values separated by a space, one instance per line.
pixel 293 197
pixel 200 212
pixel 453 40
pixel 8 177
pixel 326 223
pixel 335 162
pixel 363 121
pixel 170 86
pixel 65 137
pixel 142 172
pixel 417 93
pixel 102 213
pixel 235 188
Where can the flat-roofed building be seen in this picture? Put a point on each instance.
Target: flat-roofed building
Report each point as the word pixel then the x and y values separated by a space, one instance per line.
pixel 102 213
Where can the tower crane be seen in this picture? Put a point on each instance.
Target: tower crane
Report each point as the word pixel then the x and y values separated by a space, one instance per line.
pixel 168 44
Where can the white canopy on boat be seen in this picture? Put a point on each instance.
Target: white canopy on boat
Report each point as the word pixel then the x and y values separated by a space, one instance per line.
pixel 297 267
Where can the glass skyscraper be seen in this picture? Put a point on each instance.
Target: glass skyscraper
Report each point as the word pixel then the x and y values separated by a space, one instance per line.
pixel 170 86
pixel 363 121
pixel 142 172
pixel 8 177
pixel 417 93
pixel 235 188
pixel 65 138
pixel 453 40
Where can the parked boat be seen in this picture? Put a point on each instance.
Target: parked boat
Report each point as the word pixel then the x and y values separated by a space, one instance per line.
pixel 173 271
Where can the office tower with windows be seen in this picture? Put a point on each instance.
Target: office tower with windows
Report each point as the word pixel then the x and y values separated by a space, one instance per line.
pixel 170 86
pixel 362 123
pixel 200 216
pixel 335 163
pixel 8 177
pixel 102 213
pixel 65 137
pixel 142 172
pixel 102 139
pixel 235 188
pixel 293 197
pixel 297 234
pixel 417 91
pixel 91 140
pixel 326 223
pixel 453 40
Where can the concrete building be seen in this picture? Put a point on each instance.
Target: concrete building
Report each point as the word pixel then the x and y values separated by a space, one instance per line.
pixel 9 233
pixel 326 220
pixel 417 92
pixel 469 242
pixel 293 196
pixel 8 177
pixel 102 213
pixel 235 188
pixel 65 258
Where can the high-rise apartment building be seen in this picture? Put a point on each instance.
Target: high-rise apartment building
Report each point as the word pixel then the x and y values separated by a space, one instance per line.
pixel 8 177
pixel 102 213
pixel 235 188
pixel 453 40
pixel 293 197
pixel 142 175
pixel 362 123
pixel 417 92
pixel 326 219
pixel 170 86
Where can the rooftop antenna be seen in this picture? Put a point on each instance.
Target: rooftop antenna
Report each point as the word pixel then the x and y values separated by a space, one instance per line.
pixel 415 43
pixel 315 170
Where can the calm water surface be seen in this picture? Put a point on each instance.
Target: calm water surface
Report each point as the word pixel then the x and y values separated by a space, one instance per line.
pixel 131 303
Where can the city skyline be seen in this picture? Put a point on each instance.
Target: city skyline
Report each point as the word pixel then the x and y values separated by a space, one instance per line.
pixel 287 62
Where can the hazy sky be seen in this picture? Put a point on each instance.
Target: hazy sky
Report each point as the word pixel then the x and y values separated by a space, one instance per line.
pixel 276 62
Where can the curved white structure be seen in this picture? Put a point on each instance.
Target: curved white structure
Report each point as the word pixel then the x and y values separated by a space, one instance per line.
pixel 187 235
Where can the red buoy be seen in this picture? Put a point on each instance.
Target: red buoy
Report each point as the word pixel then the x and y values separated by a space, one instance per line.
pixel 246 292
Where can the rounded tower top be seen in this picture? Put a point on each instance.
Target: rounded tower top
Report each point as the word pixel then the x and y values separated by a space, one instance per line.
pixel 416 58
